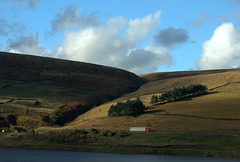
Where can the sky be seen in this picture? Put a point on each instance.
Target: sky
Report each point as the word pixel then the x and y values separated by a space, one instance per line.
pixel 141 36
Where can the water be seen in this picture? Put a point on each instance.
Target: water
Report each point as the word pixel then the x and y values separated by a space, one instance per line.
pixel 22 155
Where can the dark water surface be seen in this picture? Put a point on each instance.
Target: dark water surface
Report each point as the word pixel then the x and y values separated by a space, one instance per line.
pixel 23 155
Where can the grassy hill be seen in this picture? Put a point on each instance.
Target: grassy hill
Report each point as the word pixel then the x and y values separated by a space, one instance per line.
pixel 33 90
pixel 31 85
pixel 216 111
pixel 37 85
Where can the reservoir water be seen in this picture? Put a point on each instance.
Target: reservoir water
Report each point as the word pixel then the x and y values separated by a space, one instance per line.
pixel 23 155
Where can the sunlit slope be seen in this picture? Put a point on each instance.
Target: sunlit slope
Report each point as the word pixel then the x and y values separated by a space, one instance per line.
pixel 217 111
pixel 54 80
pixel 160 82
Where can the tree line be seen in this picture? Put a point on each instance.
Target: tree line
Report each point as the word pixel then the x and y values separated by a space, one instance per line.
pixel 177 94
pixel 129 108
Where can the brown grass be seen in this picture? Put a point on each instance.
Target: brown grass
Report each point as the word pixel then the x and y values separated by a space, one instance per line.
pixel 217 111
pixel 52 82
pixel 159 82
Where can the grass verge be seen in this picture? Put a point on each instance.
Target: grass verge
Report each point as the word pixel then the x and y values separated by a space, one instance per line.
pixel 211 144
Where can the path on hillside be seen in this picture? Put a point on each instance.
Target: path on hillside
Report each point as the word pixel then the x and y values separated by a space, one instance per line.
pixel 199 117
pixel 26 82
pixel 224 85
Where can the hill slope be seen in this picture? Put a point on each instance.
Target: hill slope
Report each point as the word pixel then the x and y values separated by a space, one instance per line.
pixel 26 80
pixel 217 111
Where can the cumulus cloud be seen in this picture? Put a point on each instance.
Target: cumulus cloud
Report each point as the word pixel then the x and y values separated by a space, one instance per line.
pixel 170 37
pixel 72 17
pixel 201 18
pixel 222 50
pixel 27 45
pixel 139 29
pixel 115 43
pixel 31 3
pixel 147 59
pixel 106 45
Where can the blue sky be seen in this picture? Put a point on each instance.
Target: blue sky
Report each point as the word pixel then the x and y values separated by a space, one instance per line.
pixel 141 36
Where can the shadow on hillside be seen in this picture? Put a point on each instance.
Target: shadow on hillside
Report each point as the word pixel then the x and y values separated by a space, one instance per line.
pixel 199 117
pixel 189 98
pixel 153 111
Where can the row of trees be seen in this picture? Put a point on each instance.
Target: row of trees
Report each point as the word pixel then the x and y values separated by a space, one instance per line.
pixel 180 93
pixel 129 108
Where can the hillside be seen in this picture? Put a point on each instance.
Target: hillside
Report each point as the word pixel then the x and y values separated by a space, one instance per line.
pixel 217 111
pixel 38 94
pixel 32 88
pixel 35 85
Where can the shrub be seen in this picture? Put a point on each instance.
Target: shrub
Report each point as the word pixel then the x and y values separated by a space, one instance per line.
pixel 120 134
pixel 46 119
pixel 93 131
pixel 105 133
pixel 57 117
pixel 31 133
pixel 129 108
pixel 110 134
pixel 11 119
pixel 80 131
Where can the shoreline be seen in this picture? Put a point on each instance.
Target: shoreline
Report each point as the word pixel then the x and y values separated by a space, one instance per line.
pixel 157 143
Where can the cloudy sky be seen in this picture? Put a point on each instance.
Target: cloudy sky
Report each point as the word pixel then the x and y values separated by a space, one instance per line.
pixel 141 36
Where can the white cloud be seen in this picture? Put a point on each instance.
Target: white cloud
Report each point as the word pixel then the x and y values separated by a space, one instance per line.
pixel 139 29
pixel 115 43
pixel 222 50
pixel 108 46
pixel 27 45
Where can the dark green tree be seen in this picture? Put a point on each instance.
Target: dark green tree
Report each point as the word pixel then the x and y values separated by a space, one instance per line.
pixel 177 94
pixel 11 119
pixel 129 108
pixel 154 99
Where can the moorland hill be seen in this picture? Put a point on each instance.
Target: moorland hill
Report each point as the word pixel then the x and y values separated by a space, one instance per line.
pixel 40 84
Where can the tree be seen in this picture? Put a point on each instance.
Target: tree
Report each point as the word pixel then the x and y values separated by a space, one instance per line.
pixel 129 108
pixel 154 99
pixel 180 93
pixel 11 119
